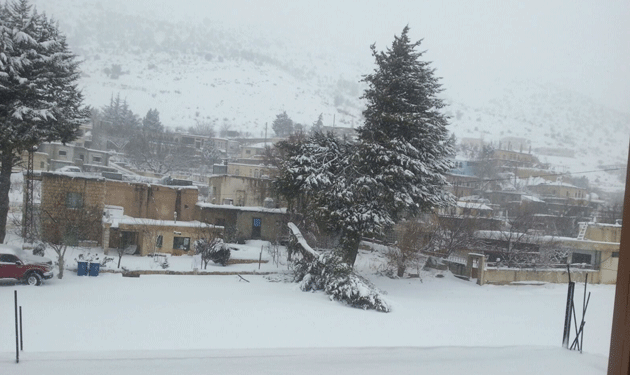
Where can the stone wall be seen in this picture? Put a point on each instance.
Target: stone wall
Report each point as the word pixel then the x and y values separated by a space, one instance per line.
pixel 503 276
pixel 71 204
pixel 158 202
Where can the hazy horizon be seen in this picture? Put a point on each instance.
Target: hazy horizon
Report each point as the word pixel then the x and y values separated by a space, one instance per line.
pixel 477 47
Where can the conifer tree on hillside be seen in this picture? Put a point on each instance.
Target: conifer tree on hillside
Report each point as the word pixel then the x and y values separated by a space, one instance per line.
pixel 318 125
pixel 282 125
pixel 151 122
pixel 118 119
pixel 39 98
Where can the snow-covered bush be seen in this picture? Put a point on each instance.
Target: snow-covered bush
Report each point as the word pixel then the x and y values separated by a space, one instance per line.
pixel 39 249
pixel 213 250
pixel 330 274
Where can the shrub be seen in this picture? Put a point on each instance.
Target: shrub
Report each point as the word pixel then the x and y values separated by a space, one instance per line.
pixel 213 250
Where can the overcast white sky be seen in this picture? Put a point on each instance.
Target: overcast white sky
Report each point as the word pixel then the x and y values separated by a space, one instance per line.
pixel 474 44
pixel 582 45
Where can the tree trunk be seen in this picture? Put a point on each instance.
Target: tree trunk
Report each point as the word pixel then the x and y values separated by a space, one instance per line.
pixel 350 247
pixel 61 266
pixel 401 265
pixel 6 159
pixel 120 255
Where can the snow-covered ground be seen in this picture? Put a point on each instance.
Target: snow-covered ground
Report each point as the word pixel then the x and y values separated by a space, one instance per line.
pixel 163 324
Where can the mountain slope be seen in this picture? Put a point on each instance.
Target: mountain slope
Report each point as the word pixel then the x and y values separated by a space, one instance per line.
pixel 240 78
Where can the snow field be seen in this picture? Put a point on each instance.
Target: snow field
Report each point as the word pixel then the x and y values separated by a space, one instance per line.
pixel 164 324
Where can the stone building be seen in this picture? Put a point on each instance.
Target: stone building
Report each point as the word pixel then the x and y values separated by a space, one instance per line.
pixel 244 222
pixel 239 190
pixel 76 199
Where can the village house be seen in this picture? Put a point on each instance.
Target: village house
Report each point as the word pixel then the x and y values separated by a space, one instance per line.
pixel 256 150
pixel 238 190
pixel 61 155
pixel 146 236
pixel 242 223
pixel 167 210
pixel 594 253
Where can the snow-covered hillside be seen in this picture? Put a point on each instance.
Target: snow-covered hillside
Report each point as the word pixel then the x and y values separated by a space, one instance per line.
pixel 241 77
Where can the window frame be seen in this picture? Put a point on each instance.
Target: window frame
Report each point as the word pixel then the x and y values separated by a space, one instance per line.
pixel 185 243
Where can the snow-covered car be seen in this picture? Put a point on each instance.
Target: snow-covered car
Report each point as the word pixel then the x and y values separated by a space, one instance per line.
pixel 16 263
pixel 69 169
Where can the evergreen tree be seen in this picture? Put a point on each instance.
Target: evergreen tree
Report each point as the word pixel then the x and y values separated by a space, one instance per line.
pixel 395 169
pixel 282 125
pixel 151 122
pixel 318 125
pixel 120 121
pixel 39 98
pixel 404 143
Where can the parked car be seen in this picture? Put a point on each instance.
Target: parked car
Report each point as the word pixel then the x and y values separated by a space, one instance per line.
pixel 16 263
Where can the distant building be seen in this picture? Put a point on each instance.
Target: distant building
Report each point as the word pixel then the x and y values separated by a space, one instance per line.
pixel 245 222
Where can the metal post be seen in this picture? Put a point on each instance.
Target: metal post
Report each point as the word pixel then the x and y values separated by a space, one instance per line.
pixel 567 316
pixel 17 333
pixel 21 335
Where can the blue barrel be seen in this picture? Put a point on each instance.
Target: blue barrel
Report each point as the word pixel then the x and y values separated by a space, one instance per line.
pixel 94 268
pixel 82 269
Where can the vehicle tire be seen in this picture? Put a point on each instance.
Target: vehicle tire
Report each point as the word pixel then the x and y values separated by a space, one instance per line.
pixel 34 278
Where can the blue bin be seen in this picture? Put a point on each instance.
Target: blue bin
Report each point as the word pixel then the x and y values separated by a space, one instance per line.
pixel 94 268
pixel 82 269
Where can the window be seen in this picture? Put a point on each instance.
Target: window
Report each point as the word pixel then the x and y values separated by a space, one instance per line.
pixel 220 222
pixel 74 200
pixel 82 157
pixel 42 165
pixel 8 258
pixel 615 254
pixel 96 159
pixel 159 240
pixel 62 153
pixel 581 258
pixel 181 243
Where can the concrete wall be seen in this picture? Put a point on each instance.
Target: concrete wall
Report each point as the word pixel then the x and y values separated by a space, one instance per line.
pixel 504 276
pixel 158 202
pixel 603 232
pixel 241 191
pixel 147 235
pixel 57 217
pixel 247 170
pixel 242 220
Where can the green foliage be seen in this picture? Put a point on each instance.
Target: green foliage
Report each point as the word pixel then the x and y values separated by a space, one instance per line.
pixel 151 122
pixel 337 279
pixel 39 98
pixel 395 169
pixel 404 143
pixel 282 125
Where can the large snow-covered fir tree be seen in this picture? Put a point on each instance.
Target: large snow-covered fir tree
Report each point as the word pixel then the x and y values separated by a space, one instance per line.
pixel 39 99
pixel 404 143
pixel 396 168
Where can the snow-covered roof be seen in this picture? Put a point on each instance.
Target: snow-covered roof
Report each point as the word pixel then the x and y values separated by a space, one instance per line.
pixel 128 220
pixel 260 145
pixel 531 198
pixel 242 208
pixel 473 206
pixel 553 183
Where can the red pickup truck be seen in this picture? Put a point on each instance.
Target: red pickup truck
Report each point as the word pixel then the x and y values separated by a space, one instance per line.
pixel 16 263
